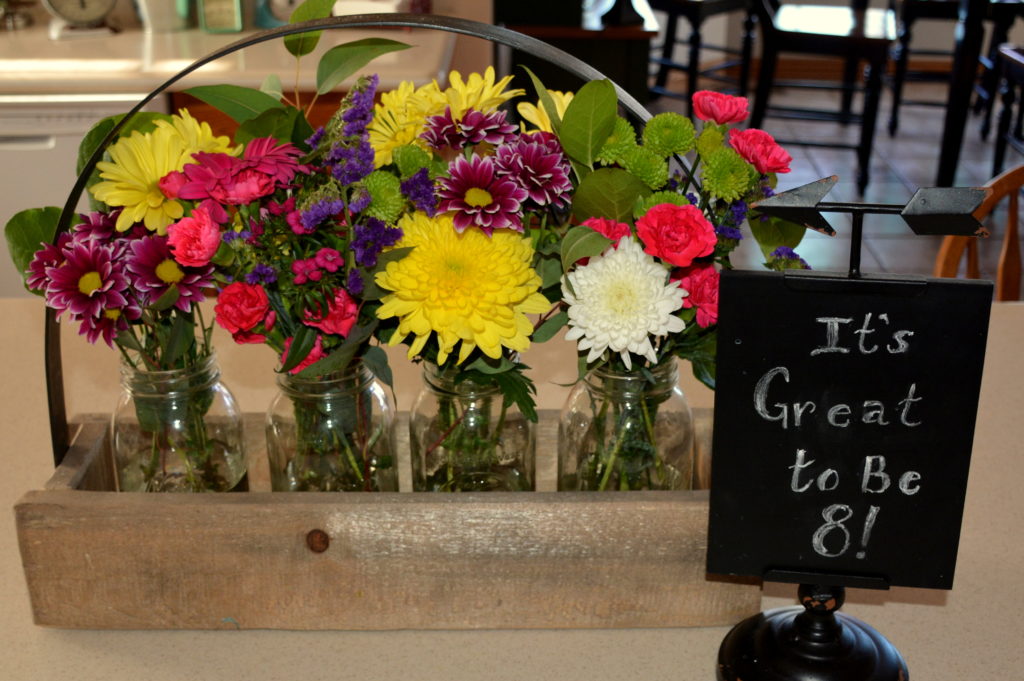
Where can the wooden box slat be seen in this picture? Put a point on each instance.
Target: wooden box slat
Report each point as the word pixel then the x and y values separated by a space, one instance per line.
pixel 100 559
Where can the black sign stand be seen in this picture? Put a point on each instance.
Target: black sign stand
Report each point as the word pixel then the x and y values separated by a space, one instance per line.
pixel 815 642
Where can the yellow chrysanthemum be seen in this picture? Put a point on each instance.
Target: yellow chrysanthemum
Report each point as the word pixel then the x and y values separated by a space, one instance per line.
pixel 140 160
pixel 535 113
pixel 466 287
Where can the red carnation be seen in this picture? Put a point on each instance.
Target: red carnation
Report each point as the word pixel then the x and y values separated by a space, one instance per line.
pixel 240 307
pixel 676 234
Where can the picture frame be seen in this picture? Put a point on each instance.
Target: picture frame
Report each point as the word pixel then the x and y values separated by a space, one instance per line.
pixel 220 16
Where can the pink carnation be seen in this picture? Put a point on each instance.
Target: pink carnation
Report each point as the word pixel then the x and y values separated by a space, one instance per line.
pixel 760 150
pixel 676 234
pixel 340 316
pixel 701 282
pixel 722 109
pixel 171 183
pixel 194 239
pixel 609 228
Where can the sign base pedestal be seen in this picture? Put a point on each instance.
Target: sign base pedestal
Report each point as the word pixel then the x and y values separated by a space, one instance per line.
pixel 809 643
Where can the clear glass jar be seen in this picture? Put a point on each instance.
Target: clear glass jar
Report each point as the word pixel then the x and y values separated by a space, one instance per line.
pixel 464 437
pixel 333 433
pixel 177 431
pixel 626 431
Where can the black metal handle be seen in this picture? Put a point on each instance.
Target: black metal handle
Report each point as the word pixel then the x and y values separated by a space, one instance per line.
pixel 59 435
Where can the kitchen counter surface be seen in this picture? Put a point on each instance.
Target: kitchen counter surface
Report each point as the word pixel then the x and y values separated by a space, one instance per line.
pixel 138 61
pixel 973 631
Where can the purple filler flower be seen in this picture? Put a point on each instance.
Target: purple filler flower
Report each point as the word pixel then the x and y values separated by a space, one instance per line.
pixel 785 258
pixel 354 283
pixel 479 196
pixel 320 211
pixel 369 239
pixel 420 190
pixel 261 274
pixel 90 280
pixel 350 163
pixel 360 110
pixel 153 271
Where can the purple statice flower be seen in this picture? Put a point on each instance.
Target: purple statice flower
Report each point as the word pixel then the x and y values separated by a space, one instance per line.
pixel 320 211
pixel 359 202
pixel 728 232
pixel 420 190
pixel 475 127
pixel 97 225
pixel 153 270
pixel 350 163
pixel 538 166
pixel 354 282
pixel 49 255
pixel 359 113
pixel 90 281
pixel 480 196
pixel 785 258
pixel 369 239
pixel 693 199
pixel 261 274
pixel 229 236
pixel 313 140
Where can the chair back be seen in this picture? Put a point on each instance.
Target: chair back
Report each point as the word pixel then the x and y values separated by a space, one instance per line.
pixel 1008 270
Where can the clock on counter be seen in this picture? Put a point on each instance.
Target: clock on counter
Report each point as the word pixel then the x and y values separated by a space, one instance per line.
pixel 73 18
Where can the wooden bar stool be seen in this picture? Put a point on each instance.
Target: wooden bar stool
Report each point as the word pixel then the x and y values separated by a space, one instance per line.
pixel 851 34
pixel 1010 69
pixel 1002 14
pixel 696 12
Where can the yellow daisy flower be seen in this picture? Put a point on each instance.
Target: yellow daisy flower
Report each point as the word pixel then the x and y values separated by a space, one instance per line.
pixel 399 117
pixel 466 287
pixel 138 162
pixel 535 113
pixel 479 92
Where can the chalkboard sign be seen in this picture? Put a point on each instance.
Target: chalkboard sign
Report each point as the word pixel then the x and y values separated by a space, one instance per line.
pixel 844 418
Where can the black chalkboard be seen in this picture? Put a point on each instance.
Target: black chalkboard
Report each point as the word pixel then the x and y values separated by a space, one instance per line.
pixel 844 418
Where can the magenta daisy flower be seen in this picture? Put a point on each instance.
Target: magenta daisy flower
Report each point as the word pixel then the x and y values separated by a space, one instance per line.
pixel 475 127
pixel 110 323
pixel 278 161
pixel 479 196
pixel 89 281
pixel 537 165
pixel 50 255
pixel 98 225
pixel 153 270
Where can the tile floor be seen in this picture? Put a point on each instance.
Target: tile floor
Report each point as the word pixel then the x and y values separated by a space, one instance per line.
pixel 899 165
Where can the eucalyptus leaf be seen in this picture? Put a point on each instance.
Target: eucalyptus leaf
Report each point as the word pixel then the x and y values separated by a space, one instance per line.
pixel 550 271
pixel 302 343
pixel 582 242
pixel 610 193
pixel 775 232
pixel 546 101
pixel 302 44
pixel 341 356
pixel 376 360
pixel 589 120
pixel 488 366
pixel 126 339
pixel 342 61
pixel 272 86
pixel 550 327
pixel 27 231
pixel 239 103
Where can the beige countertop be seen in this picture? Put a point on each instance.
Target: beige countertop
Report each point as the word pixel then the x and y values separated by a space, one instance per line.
pixel 138 61
pixel 973 631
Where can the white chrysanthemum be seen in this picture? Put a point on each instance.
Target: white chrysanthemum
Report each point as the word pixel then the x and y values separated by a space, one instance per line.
pixel 620 300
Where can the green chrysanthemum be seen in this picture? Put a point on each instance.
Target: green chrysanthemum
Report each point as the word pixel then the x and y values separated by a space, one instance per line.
pixel 644 204
pixel 710 139
pixel 669 133
pixel 409 159
pixel 386 201
pixel 726 175
pixel 650 168
pixel 618 144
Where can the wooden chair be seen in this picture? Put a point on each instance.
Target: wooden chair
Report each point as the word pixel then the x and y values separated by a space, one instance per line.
pixel 1008 271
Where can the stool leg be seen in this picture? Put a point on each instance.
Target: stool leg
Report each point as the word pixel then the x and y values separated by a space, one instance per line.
pixel 989 81
pixel 766 76
pixel 872 93
pixel 1002 127
pixel 667 49
pixel 899 75
pixel 746 52
pixel 693 66
pixel 849 85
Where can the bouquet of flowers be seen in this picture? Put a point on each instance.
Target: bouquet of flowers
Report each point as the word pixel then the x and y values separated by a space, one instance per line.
pixel 133 274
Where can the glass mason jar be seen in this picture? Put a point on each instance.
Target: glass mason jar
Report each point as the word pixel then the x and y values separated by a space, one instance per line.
pixel 624 430
pixel 177 431
pixel 464 437
pixel 334 433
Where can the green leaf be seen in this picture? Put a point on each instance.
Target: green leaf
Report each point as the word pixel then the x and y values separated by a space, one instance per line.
pixel 341 61
pixel 239 103
pixel 342 355
pixel 143 121
pixel 302 343
pixel 582 242
pixel 589 120
pixel 126 339
pixel 550 271
pixel 488 366
pixel 181 338
pixel 775 232
pixel 609 193
pixel 518 389
pixel 546 101
pixel 302 44
pixel 376 360
pixel 272 86
pixel 550 327
pixel 27 231
pixel 278 123
pixel 166 300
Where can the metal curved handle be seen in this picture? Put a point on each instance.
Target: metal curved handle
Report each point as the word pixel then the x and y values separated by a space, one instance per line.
pixel 54 369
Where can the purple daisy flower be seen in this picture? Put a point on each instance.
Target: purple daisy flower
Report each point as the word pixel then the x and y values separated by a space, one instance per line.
pixel 475 127
pixel 153 270
pixel 369 239
pixel 479 196
pixel 88 282
pixel 110 323
pixel 538 167
pixel 420 190
pixel 50 255
pixel 97 225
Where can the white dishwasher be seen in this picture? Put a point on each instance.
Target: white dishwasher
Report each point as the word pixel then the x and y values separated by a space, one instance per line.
pixel 39 137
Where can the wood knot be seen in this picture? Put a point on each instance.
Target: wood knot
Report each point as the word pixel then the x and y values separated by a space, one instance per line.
pixel 317 541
